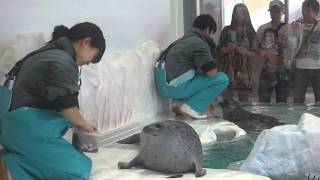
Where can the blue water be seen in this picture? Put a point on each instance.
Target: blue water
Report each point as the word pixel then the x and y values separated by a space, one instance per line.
pixel 227 155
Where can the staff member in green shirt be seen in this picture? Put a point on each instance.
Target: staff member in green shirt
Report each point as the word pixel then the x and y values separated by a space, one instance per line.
pixel 45 105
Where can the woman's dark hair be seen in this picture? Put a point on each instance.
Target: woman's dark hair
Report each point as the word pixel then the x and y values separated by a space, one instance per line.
pixel 82 30
pixel 251 33
pixel 313 4
pixel 269 30
pixel 204 21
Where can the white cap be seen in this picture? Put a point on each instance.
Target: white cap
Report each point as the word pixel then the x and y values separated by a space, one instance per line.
pixel 276 3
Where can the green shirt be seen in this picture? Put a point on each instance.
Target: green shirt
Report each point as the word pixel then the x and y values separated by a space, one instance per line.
pixel 191 52
pixel 48 80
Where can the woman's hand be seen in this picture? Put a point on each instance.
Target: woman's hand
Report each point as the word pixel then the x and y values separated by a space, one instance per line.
pixel 73 115
pixel 230 47
pixel 212 106
pixel 241 50
pixel 88 128
pixel 212 72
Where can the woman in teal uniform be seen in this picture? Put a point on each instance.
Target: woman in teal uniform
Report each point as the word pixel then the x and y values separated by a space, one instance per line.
pixel 187 71
pixel 44 106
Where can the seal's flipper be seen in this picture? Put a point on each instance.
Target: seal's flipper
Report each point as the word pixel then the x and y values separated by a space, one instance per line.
pixel 133 163
pixel 199 171
pixel 175 176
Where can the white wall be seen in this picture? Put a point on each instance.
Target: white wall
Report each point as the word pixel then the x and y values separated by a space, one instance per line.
pixel 295 8
pixel 124 22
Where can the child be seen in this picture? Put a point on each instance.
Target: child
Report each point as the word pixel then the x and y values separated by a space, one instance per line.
pixel 275 69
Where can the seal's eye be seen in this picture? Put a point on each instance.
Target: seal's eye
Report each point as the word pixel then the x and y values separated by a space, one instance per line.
pixel 158 126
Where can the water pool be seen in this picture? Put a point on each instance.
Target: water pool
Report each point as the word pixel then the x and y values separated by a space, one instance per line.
pixel 229 155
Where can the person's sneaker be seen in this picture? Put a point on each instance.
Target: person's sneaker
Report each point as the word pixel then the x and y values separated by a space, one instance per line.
pixel 186 110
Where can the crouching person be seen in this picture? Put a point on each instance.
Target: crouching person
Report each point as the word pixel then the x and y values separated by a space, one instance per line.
pixel 44 106
pixel 186 70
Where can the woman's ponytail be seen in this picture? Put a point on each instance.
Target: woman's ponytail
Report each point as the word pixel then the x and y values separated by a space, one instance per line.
pixel 60 31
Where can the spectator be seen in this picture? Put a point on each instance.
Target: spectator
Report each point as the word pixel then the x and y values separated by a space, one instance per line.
pixel 276 77
pixel 307 61
pixel 237 46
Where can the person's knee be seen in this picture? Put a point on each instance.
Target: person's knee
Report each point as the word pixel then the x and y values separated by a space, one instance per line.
pixel 223 79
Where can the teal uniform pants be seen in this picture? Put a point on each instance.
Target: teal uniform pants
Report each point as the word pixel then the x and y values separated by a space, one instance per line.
pixel 198 92
pixel 35 149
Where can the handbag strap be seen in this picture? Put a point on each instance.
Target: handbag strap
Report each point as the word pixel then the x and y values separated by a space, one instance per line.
pixel 309 34
pixel 306 39
pixel 279 27
pixel 160 62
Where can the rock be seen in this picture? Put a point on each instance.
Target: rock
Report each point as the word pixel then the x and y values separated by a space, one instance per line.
pixel 211 130
pixel 287 151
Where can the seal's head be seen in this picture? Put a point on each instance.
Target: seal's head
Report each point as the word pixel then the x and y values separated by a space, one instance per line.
pixel 154 129
pixel 155 132
pixel 228 106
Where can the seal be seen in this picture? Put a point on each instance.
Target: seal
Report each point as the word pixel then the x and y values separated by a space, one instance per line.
pixel 250 122
pixel 170 147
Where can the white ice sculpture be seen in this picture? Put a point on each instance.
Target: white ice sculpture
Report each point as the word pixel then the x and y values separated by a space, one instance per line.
pixel 121 88
pixel 287 151
pixel 20 47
